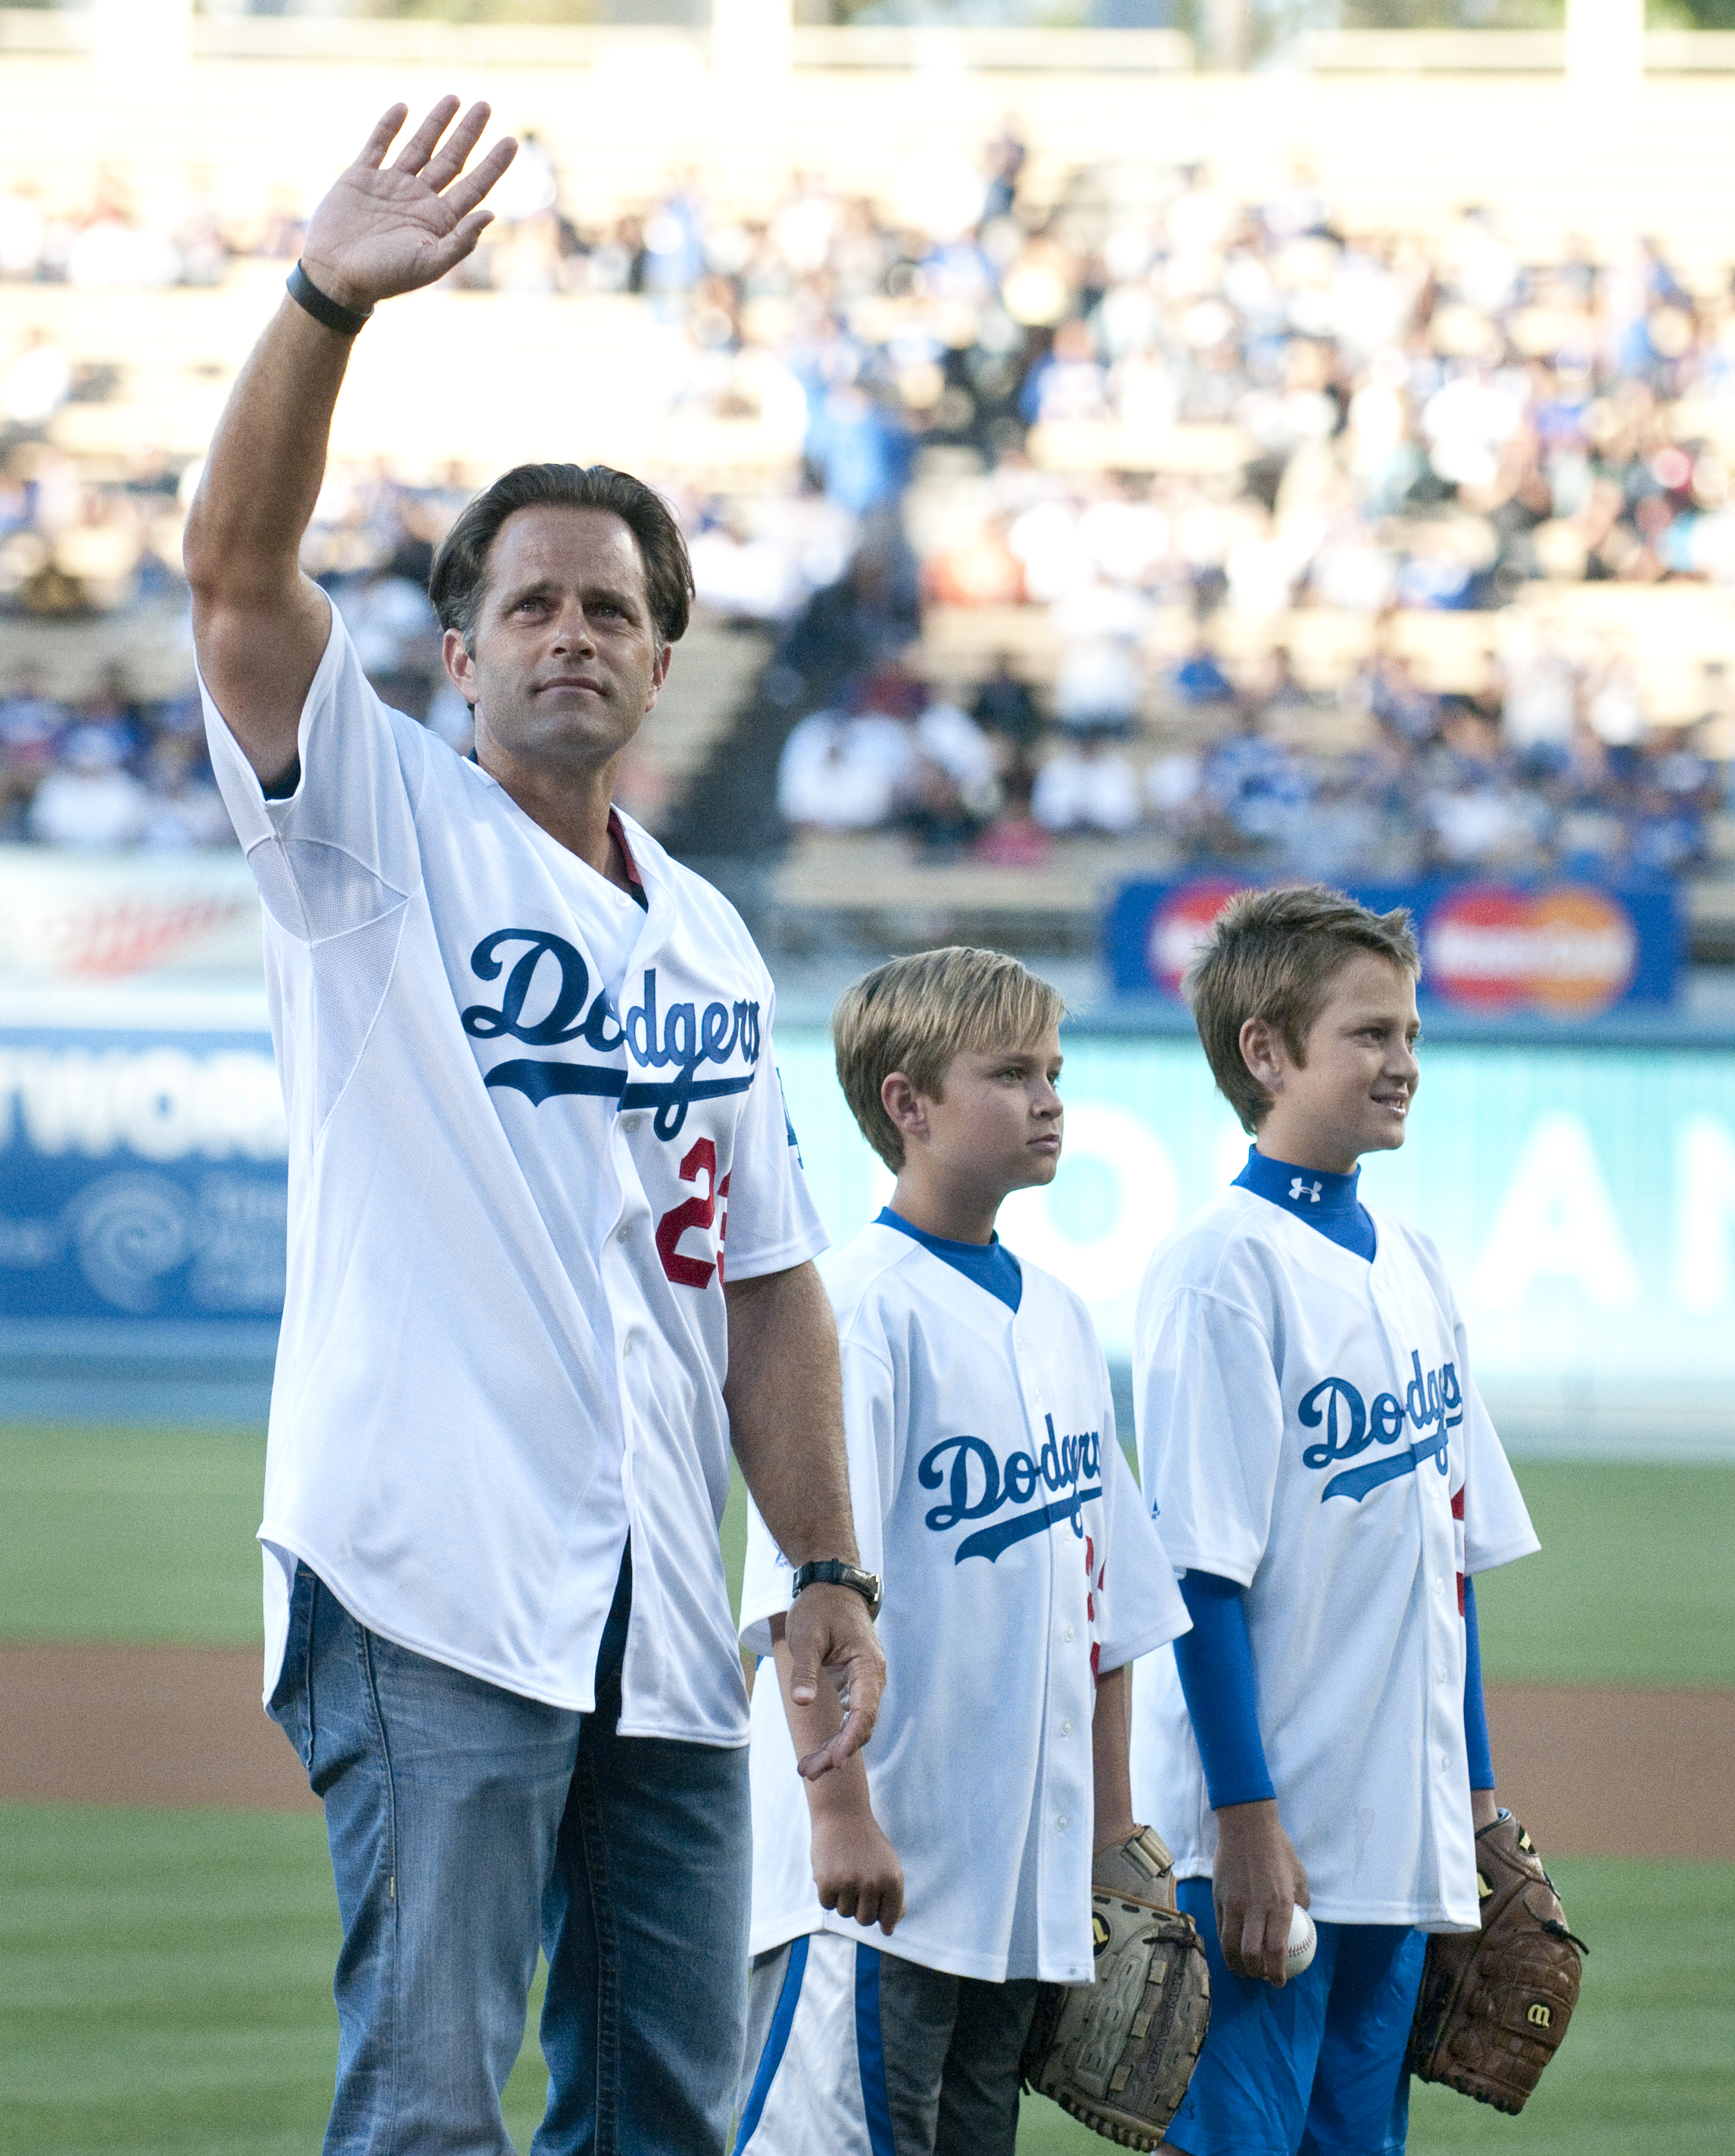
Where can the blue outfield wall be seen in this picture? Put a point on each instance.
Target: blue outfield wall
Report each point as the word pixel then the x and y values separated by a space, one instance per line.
pixel 1584 1196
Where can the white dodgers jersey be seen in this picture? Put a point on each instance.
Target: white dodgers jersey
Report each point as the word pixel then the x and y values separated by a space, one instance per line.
pixel 1308 1427
pixel 991 1496
pixel 523 1115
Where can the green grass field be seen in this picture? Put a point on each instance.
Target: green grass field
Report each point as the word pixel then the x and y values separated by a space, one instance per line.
pixel 165 1978
pixel 164 1991
pixel 140 1535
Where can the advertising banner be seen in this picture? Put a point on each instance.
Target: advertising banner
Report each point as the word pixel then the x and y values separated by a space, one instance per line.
pixel 72 918
pixel 143 1183
pixel 1563 950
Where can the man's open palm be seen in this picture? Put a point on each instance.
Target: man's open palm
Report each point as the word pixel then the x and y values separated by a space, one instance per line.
pixel 388 229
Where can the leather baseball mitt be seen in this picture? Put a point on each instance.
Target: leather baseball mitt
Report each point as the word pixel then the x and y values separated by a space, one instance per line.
pixel 1495 2004
pixel 1118 2053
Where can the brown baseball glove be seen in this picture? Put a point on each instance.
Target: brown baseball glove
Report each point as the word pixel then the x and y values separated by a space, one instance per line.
pixel 1495 2004
pixel 1118 2053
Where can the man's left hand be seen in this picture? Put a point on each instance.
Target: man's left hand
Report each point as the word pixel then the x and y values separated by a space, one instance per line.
pixel 832 1640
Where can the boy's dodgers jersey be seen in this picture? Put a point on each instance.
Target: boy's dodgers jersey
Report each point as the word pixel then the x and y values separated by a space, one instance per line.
pixel 504 1335
pixel 992 1496
pixel 1307 1426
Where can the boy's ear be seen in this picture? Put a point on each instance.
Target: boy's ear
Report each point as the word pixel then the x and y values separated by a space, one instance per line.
pixel 1264 1053
pixel 905 1106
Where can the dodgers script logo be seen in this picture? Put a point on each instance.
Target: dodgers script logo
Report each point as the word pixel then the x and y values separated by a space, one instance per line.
pixel 685 1039
pixel 978 1485
pixel 1432 1403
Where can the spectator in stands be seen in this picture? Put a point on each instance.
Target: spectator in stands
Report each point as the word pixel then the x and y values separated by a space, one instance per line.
pixel 1397 700
pixel 396 633
pixel 847 770
pixel 867 618
pixel 1099 687
pixel 1004 706
pixel 935 812
pixel 90 800
pixel 1086 785
pixel 32 727
pixel 112 707
pixel 184 808
pixel 35 383
pixel 1199 680
pixel 31 723
pixel 951 739
pixel 1173 790
pixel 1253 784
pixel 1015 839
pixel 859 443
pixel 1541 707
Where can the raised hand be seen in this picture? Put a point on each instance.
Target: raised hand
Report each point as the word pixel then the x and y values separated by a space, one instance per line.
pixel 383 228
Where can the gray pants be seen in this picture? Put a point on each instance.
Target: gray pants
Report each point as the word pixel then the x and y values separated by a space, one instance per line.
pixel 952 2052
pixel 935 2057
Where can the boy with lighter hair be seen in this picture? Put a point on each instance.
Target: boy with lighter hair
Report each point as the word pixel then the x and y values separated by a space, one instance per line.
pixel 1328 1480
pixel 1021 1577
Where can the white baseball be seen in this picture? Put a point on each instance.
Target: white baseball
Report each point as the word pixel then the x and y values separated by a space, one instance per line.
pixel 1302 1940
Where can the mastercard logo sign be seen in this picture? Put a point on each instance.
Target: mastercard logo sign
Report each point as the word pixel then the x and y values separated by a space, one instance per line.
pixel 1180 927
pixel 1571 949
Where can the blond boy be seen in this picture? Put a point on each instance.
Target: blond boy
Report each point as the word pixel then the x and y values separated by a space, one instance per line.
pixel 1021 1577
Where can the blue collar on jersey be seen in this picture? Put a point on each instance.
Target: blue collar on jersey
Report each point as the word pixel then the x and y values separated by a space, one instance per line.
pixel 990 1264
pixel 1329 1202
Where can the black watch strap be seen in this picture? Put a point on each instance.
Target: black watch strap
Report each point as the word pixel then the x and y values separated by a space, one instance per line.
pixel 347 321
pixel 833 1572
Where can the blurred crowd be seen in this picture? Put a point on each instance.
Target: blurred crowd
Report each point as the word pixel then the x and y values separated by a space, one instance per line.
pixel 1136 397
pixel 1416 784
pixel 106 770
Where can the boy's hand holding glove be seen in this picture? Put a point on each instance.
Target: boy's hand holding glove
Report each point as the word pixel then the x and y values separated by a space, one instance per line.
pixel 1118 2053
pixel 1495 2004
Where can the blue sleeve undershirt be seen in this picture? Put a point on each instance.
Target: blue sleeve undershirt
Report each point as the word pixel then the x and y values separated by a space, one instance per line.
pixel 1475 1712
pixel 1215 1662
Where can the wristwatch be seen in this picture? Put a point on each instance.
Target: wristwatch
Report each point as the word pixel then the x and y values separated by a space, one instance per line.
pixel 833 1572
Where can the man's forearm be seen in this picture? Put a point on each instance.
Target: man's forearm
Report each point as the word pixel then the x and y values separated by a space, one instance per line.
pixel 258 625
pixel 785 1399
pixel 266 464
pixel 784 1394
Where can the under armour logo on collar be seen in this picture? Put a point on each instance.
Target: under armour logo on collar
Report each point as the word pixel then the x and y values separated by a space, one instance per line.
pixel 1298 1190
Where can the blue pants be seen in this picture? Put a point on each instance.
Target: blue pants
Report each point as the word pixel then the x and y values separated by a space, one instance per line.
pixel 1315 2069
pixel 467 1826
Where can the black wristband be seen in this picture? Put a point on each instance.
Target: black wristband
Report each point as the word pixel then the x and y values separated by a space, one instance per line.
pixel 834 1571
pixel 345 320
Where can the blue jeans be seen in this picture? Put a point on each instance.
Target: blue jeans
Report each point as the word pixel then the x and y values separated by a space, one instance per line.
pixel 468 1825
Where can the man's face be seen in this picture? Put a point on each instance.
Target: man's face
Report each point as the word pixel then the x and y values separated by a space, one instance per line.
pixel 1353 1094
pixel 564 662
pixel 996 1127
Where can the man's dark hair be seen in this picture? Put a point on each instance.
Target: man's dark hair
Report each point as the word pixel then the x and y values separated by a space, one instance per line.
pixel 459 575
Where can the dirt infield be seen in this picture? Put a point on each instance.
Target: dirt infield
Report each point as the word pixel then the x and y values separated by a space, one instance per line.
pixel 1595 1773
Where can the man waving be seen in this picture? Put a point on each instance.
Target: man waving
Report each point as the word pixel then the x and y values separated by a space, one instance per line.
pixel 526 1061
